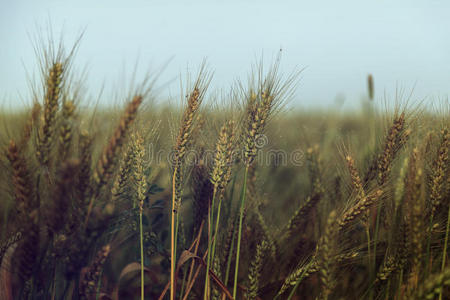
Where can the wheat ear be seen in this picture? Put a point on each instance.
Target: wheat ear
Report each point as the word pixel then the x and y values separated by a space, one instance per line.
pixel 51 106
pixel 107 162
pixel 141 193
pixel 89 281
pixel 182 142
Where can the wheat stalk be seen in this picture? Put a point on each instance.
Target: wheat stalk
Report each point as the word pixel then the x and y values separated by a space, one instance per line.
pixel 182 142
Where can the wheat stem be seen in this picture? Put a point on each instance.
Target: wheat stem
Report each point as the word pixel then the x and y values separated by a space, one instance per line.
pixel 142 254
pixel 241 216
pixel 173 254
pixel 216 229
pixel 444 254
pixel 230 255
pixel 211 237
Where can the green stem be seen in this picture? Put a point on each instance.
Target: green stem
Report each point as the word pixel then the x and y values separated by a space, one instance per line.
pixel 216 229
pixel 375 241
pixel 444 255
pixel 54 284
pixel 369 255
pixel 210 234
pixel 388 288
pixel 142 255
pixel 183 284
pixel 99 286
pixel 173 238
pixel 400 283
pixel 241 216
pixel 230 255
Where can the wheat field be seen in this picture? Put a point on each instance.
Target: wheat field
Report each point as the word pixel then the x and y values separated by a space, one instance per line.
pixel 239 199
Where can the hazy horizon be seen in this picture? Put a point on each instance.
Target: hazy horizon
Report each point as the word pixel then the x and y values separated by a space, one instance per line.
pixel 403 44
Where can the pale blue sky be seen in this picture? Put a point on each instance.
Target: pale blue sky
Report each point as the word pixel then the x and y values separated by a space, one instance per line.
pixel 402 43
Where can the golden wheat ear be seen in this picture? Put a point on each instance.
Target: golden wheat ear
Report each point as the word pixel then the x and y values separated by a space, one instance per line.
pixel 326 249
pixel 395 139
pixel 66 129
pixel 183 140
pixel 51 105
pixel 359 208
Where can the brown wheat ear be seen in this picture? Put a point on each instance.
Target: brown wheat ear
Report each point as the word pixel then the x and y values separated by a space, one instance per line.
pixel 84 178
pixel 416 204
pixel 58 211
pixel 395 139
pixel 108 159
pixel 356 180
pixel 107 162
pixel 182 142
pixel 21 179
pixel 27 252
pixel 202 190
